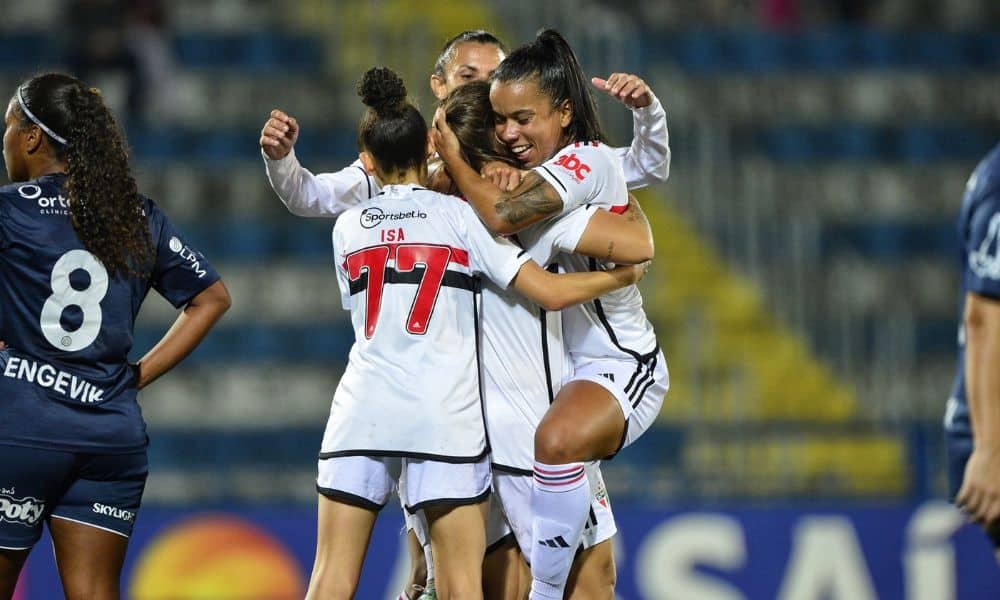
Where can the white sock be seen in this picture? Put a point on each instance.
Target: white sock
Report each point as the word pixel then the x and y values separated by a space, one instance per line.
pixel 560 499
pixel 429 559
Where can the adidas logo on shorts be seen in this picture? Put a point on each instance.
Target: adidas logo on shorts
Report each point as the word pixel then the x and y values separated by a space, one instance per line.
pixel 610 376
pixel 556 542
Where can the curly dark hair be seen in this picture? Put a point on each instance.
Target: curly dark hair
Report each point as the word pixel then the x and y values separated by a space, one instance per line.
pixel 104 203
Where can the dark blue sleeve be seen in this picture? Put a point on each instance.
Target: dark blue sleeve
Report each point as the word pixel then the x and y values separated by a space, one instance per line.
pixel 180 272
pixel 982 247
pixel 3 223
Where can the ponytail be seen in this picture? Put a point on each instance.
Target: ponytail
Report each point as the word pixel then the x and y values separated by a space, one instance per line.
pixel 104 203
pixel 551 62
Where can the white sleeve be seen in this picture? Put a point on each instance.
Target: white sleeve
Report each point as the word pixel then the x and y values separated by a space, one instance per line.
pixel 562 234
pixel 323 195
pixel 340 265
pixel 580 173
pixel 647 160
pixel 493 256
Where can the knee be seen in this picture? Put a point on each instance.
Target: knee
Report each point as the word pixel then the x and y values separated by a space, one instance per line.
pixel 555 444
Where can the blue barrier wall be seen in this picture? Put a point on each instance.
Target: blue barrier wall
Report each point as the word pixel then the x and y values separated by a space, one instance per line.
pixel 914 552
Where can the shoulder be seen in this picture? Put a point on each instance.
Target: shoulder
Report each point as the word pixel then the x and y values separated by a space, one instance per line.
pixel 583 159
pixel 985 179
pixel 982 191
pixel 22 190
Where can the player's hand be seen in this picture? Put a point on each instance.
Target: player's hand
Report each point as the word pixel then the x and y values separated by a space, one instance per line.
pixel 504 176
pixel 631 274
pixel 980 493
pixel 438 180
pixel 444 139
pixel 278 135
pixel 626 88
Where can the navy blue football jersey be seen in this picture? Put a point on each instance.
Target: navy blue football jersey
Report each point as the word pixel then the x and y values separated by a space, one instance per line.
pixel 979 234
pixel 65 381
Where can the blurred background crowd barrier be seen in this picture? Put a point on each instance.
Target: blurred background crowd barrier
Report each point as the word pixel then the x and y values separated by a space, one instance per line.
pixel 805 288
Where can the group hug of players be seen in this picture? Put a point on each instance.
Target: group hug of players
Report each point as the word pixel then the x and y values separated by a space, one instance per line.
pixel 489 264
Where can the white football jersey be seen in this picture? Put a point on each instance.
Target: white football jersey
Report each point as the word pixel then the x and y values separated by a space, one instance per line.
pixel 407 265
pixel 524 359
pixel 614 325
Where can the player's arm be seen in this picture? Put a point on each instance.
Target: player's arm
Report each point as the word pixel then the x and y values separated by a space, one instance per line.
pixel 190 328
pixel 980 493
pixel 503 212
pixel 647 160
pixel 623 238
pixel 304 193
pixel 554 291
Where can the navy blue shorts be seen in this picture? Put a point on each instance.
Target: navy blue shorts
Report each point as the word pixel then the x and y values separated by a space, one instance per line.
pixel 99 490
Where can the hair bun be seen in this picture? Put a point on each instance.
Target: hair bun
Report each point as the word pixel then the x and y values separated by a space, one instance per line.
pixel 381 89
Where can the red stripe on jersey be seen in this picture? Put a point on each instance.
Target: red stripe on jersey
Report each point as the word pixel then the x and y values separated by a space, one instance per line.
pixel 619 209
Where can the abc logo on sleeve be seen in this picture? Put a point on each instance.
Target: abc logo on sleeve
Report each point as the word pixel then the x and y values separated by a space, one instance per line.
pixel 574 165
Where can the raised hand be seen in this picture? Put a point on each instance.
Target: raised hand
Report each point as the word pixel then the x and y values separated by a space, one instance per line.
pixel 628 89
pixel 278 135
pixel 445 142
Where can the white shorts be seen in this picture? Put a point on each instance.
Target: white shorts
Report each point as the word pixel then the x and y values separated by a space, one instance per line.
pixel 368 481
pixel 497 529
pixel 638 387
pixel 415 521
pixel 513 493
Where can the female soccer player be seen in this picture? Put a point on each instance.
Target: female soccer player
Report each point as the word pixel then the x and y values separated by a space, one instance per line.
pixel 524 367
pixel 408 265
pixel 547 119
pixel 79 251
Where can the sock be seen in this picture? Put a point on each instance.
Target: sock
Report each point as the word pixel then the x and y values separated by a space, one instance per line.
pixel 560 499
pixel 429 559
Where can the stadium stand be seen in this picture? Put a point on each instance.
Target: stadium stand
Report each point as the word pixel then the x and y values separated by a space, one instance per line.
pixel 805 276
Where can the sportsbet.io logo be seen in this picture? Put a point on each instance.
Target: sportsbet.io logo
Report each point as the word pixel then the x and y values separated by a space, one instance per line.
pixel 25 511
pixel 371 217
pixel 374 216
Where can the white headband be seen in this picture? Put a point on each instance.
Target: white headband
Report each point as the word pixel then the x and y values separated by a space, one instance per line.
pixel 36 121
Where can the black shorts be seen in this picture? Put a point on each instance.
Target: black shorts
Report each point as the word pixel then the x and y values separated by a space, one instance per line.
pixel 99 490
